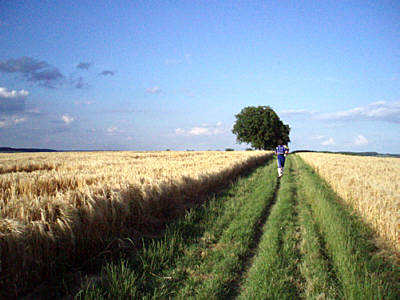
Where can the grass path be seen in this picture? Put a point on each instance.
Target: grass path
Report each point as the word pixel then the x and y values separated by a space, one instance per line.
pixel 274 273
pixel 351 268
pixel 200 255
pixel 262 238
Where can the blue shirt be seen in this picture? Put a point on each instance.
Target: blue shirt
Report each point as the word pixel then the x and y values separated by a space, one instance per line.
pixel 281 150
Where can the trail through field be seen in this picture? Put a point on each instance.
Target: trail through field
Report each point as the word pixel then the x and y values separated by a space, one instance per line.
pixel 248 258
pixel 263 238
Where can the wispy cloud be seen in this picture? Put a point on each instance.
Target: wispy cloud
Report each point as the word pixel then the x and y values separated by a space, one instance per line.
pixel 10 121
pixel 153 90
pixel 114 130
pixel 328 142
pixel 180 131
pixel 376 111
pixel 203 130
pixel 33 70
pixel 88 102
pixel 382 111
pixel 360 140
pixel 318 137
pixel 296 112
pixel 84 65
pixel 175 61
pixel 19 120
pixel 34 112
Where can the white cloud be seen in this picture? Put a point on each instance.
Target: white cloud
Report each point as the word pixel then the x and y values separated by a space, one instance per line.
pixel 381 110
pixel 4 93
pixel 341 115
pixel 34 111
pixel 154 90
pixel 360 141
pixel 294 112
pixel 204 129
pixel 9 121
pixel 218 130
pixel 12 102
pixel 84 102
pixel 375 111
pixel 200 131
pixel 112 130
pixel 318 137
pixel 328 142
pixel 19 120
pixel 67 119
pixel 180 131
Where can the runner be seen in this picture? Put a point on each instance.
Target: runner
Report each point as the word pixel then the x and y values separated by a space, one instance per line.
pixel 281 151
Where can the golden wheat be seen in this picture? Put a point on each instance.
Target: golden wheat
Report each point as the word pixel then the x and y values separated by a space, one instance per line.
pixel 76 203
pixel 30 179
pixel 369 184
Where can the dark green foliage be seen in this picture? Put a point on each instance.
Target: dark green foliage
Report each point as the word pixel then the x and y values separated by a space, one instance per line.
pixel 261 127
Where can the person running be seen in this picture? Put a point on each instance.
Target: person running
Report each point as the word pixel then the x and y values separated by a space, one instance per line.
pixel 281 151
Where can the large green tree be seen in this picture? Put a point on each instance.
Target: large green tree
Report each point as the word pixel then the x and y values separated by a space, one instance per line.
pixel 261 127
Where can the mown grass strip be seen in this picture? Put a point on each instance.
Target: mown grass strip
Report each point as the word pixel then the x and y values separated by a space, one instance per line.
pixel 361 274
pixel 160 268
pixel 316 267
pixel 320 280
pixel 274 273
pixel 222 262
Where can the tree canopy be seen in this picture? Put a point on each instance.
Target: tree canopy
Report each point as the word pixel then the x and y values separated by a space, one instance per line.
pixel 261 127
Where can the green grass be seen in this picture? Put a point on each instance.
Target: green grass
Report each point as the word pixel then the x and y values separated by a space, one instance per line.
pixel 274 273
pixel 311 247
pixel 316 268
pixel 192 247
pixel 348 243
pixel 221 262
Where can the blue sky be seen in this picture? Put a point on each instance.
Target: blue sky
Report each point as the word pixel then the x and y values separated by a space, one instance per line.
pixel 156 75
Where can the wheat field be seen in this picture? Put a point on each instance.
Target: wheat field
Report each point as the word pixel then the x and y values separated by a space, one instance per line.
pixel 371 185
pixel 68 206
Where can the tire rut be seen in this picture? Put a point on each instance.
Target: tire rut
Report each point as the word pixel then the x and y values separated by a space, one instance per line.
pixel 299 280
pixel 248 258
